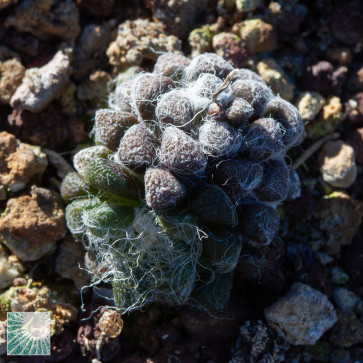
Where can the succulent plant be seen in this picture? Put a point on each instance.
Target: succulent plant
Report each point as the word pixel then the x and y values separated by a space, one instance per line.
pixel 190 164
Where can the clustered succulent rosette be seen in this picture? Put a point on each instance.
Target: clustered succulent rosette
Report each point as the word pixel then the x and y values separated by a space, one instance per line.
pixel 188 163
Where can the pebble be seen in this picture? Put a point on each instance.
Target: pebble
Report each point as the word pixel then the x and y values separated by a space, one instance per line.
pixel 310 104
pixel 255 343
pixel 288 15
pixel 19 163
pixel 11 74
pixel 258 36
pixel 42 85
pixel 322 77
pixel 348 331
pixel 276 78
pixel 338 276
pixel 354 137
pixel 200 41
pixel 46 18
pixel 94 91
pixel 345 299
pixel 328 120
pixel 337 164
pixel 69 262
pixel 10 268
pixel 134 41
pixel 91 48
pixel 178 16
pixel 32 224
pixel 33 297
pixel 303 315
pixel 324 258
pixel 46 128
pixel 340 217
pixel 230 47
pixel 354 110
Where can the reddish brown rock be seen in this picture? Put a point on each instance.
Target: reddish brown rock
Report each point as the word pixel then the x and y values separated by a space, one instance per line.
pixel 323 77
pixel 19 163
pixel 97 7
pixel 32 224
pixel 231 48
pixel 45 129
pixel 178 16
pixel 354 138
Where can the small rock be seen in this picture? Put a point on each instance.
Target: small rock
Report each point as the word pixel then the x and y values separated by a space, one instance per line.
pixel 26 44
pixel 324 258
pixel 345 299
pixel 19 163
pixel 33 297
pixel 11 74
pixel 328 120
pixel 258 343
pixel 69 262
pixel 337 164
pixel 354 138
pixel 90 52
pixel 354 109
pixel 309 105
pixel 348 331
pixel 178 16
pixel 94 91
pixel 97 7
pixel 340 55
pixel 275 77
pixel 230 47
pixel 138 40
pixel 42 85
pixel 288 15
pixel 322 77
pixel 340 217
pixel 258 36
pixel 46 18
pixel 303 314
pixel 32 224
pixel 10 268
pixel 45 128
pixel 200 41
pixel 338 276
